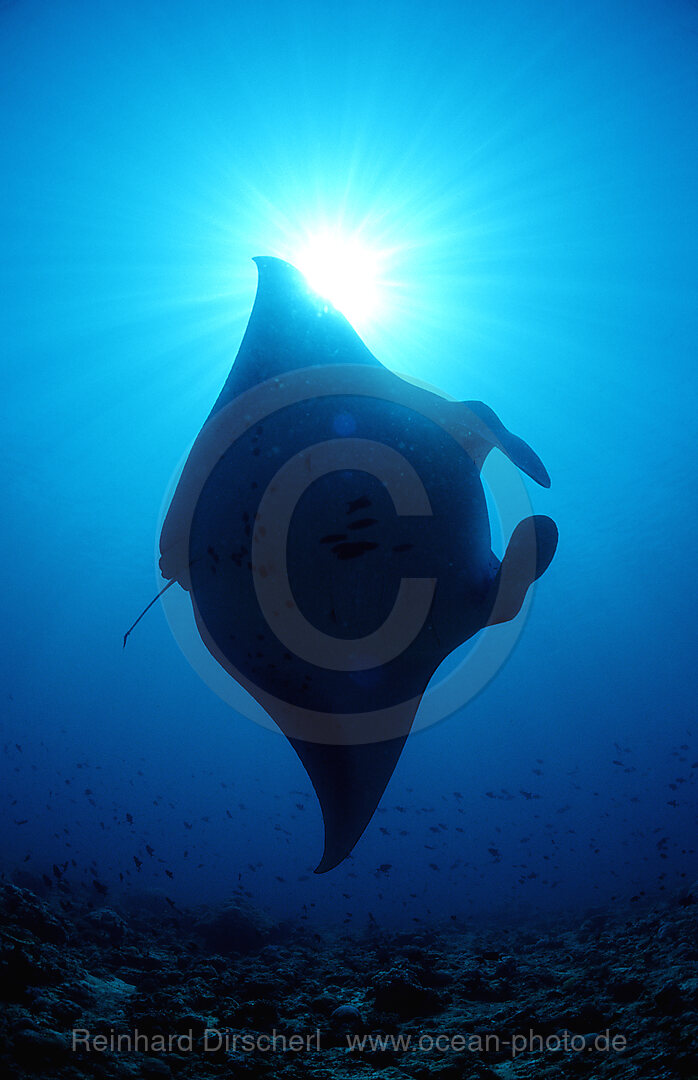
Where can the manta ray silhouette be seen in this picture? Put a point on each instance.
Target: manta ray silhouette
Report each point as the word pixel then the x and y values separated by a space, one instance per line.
pixel 330 526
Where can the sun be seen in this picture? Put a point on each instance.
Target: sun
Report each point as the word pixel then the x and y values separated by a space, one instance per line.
pixel 344 271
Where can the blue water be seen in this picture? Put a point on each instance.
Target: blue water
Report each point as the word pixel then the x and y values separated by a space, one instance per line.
pixel 530 173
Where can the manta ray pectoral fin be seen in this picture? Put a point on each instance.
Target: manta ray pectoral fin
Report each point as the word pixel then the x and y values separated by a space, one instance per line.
pixel 528 555
pixel 349 782
pixel 488 431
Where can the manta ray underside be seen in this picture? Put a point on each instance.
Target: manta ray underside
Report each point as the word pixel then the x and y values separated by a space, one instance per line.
pixel 330 526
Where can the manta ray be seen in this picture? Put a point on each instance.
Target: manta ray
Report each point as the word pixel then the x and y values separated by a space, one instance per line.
pixel 331 529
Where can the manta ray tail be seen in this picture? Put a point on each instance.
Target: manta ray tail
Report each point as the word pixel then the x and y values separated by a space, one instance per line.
pixel 147 608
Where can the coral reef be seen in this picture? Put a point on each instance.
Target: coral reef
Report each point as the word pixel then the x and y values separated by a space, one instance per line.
pixel 118 992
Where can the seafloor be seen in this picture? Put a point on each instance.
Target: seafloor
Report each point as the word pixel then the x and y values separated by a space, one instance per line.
pixel 145 989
